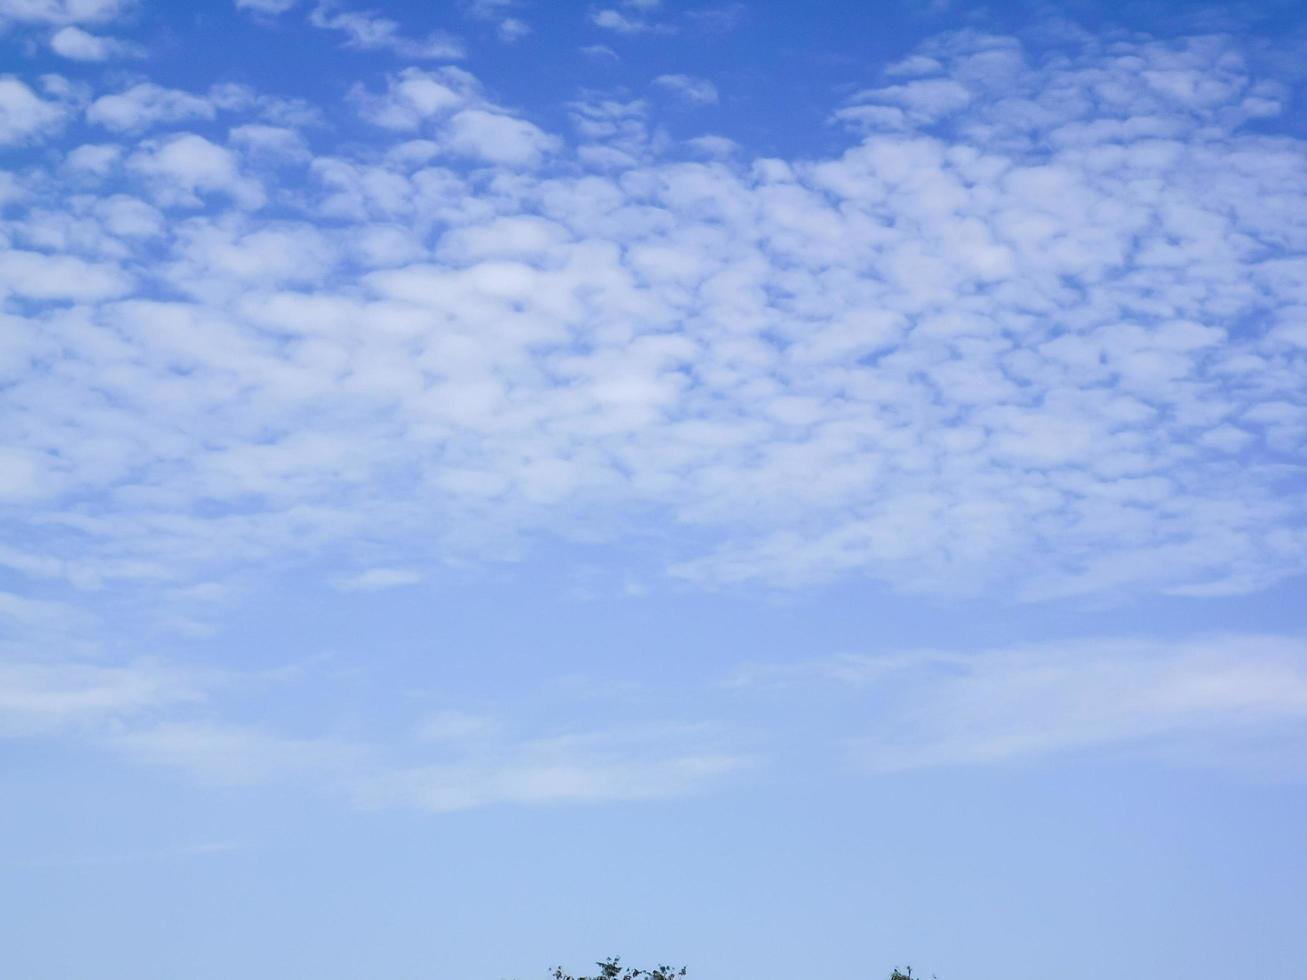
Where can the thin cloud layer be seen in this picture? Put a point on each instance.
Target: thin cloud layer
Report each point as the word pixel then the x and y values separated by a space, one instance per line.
pixel 592 767
pixel 929 709
pixel 61 11
pixel 38 698
pixel 146 713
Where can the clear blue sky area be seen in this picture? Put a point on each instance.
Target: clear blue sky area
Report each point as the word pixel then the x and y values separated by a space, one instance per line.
pixel 790 489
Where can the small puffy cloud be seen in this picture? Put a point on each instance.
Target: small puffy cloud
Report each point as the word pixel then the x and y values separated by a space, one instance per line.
pixel 512 29
pixel 450 102
pixel 35 275
pixel 271 143
pixel 186 165
pixel 369 32
pixel 146 105
pixel 497 12
pixel 929 98
pixel 518 236
pixel 630 17
pixel 614 20
pixel 78 45
pixel 98 159
pixel 917 64
pixel 381 245
pixel 712 145
pixel 129 217
pixel 215 258
pixel 497 138
pixel 916 102
pixel 24 115
pixel 696 91
pixel 1227 438
pixel 236 98
pixel 415 96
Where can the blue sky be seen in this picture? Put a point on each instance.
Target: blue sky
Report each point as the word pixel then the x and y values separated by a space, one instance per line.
pixel 792 489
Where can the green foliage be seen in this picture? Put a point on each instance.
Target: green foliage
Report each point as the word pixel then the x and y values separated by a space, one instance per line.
pixel 613 970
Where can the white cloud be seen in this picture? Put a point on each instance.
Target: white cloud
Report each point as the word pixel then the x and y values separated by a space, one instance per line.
pixel 520 237
pixel 449 102
pixel 696 91
pixel 270 7
pixel 24 115
pixel 497 12
pixel 39 698
pixel 512 29
pixel 152 714
pixel 60 11
pixel 615 20
pixel 713 146
pixel 270 255
pixel 377 579
pixel 230 755
pixel 719 18
pixel 1000 706
pixel 586 768
pixel 480 763
pixel 146 105
pixel 1046 349
pixel 370 32
pixel 913 103
pixel 1039 334
pixel 630 17
pixel 23 477
pixel 17 610
pixel 415 96
pixel 497 138
pixel 273 143
pixel 35 275
pixel 917 64
pixel 185 165
pixel 79 45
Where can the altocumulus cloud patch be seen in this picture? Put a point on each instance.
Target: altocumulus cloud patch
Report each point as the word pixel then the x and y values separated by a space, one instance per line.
pixel 1039 328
